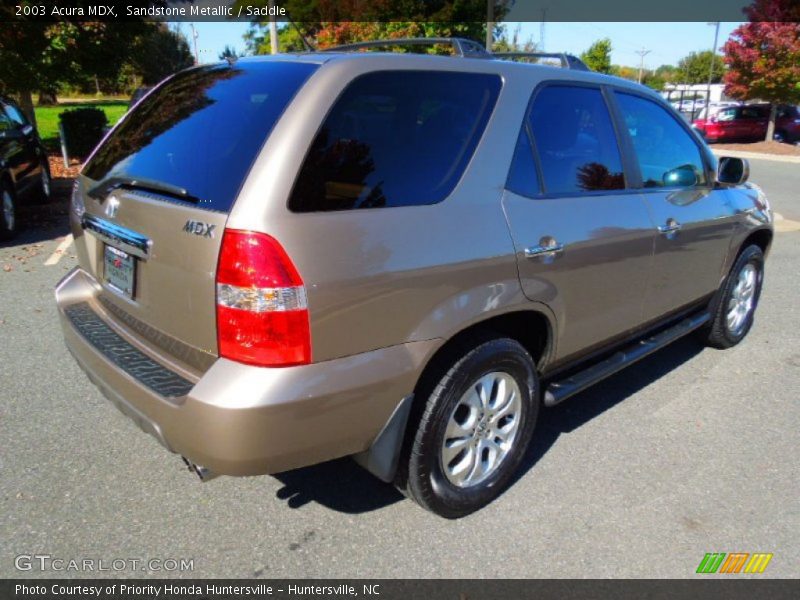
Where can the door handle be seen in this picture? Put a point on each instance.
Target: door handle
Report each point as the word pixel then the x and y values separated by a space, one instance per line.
pixel 671 226
pixel 544 250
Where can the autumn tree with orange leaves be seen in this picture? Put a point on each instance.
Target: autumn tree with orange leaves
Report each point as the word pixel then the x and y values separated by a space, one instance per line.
pixel 763 56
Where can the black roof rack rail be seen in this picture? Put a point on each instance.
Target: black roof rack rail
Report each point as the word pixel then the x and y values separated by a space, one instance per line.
pixel 462 47
pixel 568 61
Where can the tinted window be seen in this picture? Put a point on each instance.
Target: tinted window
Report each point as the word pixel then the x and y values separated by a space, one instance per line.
pixel 395 139
pixel 575 140
pixel 15 114
pixel 202 129
pixel 665 150
pixel 522 178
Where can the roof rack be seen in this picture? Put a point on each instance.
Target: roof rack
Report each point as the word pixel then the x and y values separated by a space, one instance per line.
pixel 462 47
pixel 568 61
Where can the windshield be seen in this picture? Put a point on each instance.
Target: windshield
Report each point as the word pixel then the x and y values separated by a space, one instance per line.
pixel 201 130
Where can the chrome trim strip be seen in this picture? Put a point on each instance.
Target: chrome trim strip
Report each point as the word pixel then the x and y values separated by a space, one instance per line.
pixel 121 237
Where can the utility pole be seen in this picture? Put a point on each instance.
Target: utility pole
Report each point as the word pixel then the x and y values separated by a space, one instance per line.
pixel 273 29
pixel 541 30
pixel 194 40
pixel 711 68
pixel 489 24
pixel 642 53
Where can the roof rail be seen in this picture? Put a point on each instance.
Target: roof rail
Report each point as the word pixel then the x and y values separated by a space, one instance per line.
pixel 462 47
pixel 568 61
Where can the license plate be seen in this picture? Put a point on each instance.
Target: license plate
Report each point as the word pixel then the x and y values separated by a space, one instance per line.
pixel 120 270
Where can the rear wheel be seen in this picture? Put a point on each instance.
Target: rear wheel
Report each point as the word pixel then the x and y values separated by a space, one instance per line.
pixel 737 301
pixel 8 213
pixel 474 429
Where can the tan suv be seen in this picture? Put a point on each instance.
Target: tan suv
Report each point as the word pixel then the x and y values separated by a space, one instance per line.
pixel 399 257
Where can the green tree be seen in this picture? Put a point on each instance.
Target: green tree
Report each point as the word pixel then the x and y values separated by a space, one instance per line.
pixel 228 52
pixel 763 56
pixel 326 24
pixel 513 44
pixel 598 56
pixel 695 67
pixel 159 52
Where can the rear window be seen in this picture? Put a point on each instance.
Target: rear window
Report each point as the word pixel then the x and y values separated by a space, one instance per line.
pixel 395 138
pixel 202 129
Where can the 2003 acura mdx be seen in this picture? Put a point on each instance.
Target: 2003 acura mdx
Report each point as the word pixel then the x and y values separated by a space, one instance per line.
pixel 289 259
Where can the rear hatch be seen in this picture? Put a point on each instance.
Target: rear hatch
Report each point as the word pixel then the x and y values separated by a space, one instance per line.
pixel 157 192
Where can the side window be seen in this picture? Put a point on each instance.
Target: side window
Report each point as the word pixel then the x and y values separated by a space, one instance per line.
pixel 667 155
pixel 522 177
pixel 729 114
pixel 575 139
pixel 395 138
pixel 15 115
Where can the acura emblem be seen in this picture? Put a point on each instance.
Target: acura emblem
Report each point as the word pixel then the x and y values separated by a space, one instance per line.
pixel 112 206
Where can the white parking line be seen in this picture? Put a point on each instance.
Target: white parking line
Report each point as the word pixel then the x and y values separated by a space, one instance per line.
pixel 59 251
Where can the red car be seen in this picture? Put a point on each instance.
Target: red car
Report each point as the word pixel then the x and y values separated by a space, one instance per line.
pixel 749 123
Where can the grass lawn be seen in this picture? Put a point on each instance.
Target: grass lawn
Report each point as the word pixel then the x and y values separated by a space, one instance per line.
pixel 47 117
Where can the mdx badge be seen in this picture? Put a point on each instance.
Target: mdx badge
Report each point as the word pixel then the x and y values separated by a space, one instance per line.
pixel 200 228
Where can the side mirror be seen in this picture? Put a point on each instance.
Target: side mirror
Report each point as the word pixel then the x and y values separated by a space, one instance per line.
pixel 733 171
pixel 683 176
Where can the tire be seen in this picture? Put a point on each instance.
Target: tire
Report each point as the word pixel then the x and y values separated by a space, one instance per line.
pixel 45 190
pixel 735 306
pixel 8 213
pixel 495 428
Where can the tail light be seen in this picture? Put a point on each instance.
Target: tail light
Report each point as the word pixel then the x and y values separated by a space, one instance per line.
pixel 262 312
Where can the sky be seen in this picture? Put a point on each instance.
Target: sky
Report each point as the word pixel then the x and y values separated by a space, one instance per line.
pixel 667 42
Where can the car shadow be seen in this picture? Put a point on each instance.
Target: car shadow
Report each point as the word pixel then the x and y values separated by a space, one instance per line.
pixel 343 486
pixel 585 406
pixel 43 222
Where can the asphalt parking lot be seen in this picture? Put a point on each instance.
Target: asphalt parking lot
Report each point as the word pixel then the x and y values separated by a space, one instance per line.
pixel 691 451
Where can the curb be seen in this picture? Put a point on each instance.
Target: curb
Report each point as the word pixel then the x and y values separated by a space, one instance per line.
pixel 756 155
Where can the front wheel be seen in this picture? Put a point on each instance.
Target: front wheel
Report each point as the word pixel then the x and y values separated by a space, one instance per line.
pixel 738 298
pixel 8 213
pixel 475 427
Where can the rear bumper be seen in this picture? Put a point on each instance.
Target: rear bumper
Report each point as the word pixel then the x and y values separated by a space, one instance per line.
pixel 243 420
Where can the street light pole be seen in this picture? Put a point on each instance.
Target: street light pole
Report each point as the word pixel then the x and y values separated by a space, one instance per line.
pixel 711 68
pixel 273 29
pixel 194 40
pixel 489 24
pixel 642 53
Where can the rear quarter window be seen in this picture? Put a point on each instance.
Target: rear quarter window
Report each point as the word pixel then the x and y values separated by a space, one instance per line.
pixel 395 138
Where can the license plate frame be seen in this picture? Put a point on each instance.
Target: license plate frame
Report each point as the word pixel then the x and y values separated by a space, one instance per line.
pixel 119 270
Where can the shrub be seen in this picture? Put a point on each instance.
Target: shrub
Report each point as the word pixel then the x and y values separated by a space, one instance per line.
pixel 83 129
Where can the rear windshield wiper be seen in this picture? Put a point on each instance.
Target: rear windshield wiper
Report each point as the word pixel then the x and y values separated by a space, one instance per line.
pixel 104 188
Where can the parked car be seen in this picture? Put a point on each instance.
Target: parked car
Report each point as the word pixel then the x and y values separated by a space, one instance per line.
pixel 748 123
pixel 24 170
pixel 398 257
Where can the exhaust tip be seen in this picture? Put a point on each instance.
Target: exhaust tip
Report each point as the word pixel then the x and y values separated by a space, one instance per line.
pixel 202 472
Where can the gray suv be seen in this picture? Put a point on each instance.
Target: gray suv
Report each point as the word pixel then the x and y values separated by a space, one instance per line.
pixel 284 260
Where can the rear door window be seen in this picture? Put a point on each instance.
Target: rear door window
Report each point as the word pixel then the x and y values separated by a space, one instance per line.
pixel 575 140
pixel 665 150
pixel 201 130
pixel 395 138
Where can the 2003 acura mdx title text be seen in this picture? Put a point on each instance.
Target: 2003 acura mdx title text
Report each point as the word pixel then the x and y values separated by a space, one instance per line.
pixel 289 259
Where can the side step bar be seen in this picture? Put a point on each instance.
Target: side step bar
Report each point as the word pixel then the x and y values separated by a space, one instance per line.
pixel 558 391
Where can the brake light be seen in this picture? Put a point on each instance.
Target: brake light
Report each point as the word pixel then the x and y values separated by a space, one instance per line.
pixel 262 312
